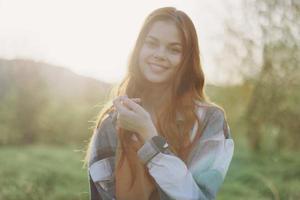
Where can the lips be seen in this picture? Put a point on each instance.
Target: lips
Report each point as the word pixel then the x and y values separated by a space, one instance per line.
pixel 158 66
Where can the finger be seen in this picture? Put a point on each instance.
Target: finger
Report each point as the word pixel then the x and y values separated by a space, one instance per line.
pixel 121 123
pixel 137 100
pixel 118 125
pixel 118 105
pixel 132 105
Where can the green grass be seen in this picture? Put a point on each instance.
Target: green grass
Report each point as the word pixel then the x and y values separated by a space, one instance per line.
pixel 39 172
pixel 54 173
pixel 262 177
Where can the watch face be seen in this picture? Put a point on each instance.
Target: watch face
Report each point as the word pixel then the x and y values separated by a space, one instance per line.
pixel 160 142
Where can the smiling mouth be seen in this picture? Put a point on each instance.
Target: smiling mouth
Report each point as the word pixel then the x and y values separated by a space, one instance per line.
pixel 157 69
pixel 154 65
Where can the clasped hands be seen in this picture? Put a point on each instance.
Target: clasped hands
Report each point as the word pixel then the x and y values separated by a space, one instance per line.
pixel 133 117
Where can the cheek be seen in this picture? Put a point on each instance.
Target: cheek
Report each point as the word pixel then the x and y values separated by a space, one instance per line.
pixel 176 60
pixel 142 56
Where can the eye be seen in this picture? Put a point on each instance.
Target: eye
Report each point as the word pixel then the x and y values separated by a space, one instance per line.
pixel 151 43
pixel 175 50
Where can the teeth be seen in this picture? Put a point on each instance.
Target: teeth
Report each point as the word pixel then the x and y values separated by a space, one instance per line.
pixel 158 66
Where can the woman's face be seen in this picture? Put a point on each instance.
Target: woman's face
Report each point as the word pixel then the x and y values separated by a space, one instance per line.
pixel 161 52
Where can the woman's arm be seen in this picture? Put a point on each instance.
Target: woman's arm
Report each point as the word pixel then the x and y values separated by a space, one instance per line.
pixel 101 161
pixel 207 165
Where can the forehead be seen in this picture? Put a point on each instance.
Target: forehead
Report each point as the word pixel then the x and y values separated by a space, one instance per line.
pixel 165 31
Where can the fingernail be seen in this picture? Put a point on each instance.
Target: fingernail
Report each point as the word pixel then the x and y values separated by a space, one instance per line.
pixel 123 97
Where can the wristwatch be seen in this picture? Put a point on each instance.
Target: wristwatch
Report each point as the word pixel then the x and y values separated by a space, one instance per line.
pixel 151 148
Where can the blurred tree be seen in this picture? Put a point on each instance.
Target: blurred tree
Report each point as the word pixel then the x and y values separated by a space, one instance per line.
pixel 41 103
pixel 23 97
pixel 31 100
pixel 265 46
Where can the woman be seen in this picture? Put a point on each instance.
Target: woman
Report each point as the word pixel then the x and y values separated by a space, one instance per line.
pixel 161 138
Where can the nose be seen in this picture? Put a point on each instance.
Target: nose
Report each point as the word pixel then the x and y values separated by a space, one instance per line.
pixel 160 53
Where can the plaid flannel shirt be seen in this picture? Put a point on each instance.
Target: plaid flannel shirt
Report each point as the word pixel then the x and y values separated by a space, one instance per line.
pixel 200 178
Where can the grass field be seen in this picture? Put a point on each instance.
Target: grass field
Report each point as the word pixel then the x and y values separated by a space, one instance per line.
pixel 38 173
pixel 56 173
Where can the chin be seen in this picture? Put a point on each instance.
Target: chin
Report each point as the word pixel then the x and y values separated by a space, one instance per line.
pixel 156 80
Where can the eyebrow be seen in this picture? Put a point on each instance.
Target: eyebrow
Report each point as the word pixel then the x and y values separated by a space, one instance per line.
pixel 172 43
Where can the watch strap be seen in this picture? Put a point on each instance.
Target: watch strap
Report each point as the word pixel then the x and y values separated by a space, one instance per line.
pixel 151 148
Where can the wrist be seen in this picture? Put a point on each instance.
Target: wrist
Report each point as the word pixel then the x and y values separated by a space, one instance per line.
pixel 151 148
pixel 149 132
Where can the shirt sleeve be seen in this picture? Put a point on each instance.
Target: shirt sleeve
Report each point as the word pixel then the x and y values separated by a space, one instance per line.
pixel 206 167
pixel 101 162
pixel 94 195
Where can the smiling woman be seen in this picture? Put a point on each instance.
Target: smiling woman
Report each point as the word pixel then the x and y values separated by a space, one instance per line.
pixel 161 138
pixel 161 52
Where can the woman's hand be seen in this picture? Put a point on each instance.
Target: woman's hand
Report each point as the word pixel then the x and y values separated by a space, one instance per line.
pixel 133 117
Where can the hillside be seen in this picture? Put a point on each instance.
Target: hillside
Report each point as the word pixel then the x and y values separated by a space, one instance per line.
pixel 60 82
pixel 45 103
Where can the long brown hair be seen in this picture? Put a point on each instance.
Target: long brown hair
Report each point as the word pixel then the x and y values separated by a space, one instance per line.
pixel 186 87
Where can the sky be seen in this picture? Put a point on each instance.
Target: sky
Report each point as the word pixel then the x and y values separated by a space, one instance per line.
pixel 95 38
